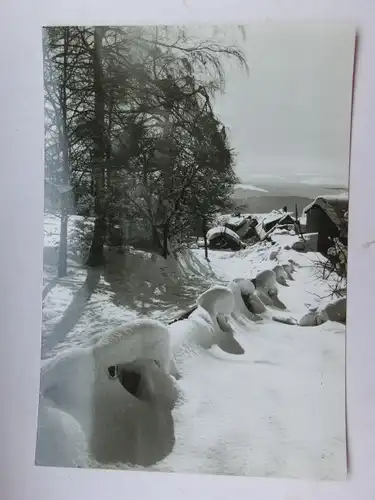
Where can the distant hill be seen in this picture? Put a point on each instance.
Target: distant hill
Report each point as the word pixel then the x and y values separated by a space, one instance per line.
pixel 267 203
pixel 265 197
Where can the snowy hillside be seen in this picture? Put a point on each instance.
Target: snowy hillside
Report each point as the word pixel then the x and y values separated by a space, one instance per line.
pixel 277 410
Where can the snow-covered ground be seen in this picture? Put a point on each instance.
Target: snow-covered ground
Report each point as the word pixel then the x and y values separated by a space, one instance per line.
pixel 277 410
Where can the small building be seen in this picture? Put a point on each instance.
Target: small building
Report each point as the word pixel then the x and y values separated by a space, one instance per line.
pixel 237 224
pixel 277 218
pixel 244 226
pixel 327 216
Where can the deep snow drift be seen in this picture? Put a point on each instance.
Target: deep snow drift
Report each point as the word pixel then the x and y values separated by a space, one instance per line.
pixel 278 409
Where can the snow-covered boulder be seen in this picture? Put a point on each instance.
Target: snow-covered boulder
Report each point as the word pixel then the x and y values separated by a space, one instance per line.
pixel 266 286
pixel 120 392
pixel 244 295
pixel 309 319
pixel 274 254
pixel 208 324
pixel 281 275
pixel 299 246
pixel 294 264
pixel 289 269
pixel 333 311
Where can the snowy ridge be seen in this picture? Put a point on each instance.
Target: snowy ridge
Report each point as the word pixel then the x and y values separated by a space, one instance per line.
pixel 278 408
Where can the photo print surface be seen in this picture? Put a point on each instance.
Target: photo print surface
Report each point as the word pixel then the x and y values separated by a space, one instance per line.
pixel 195 249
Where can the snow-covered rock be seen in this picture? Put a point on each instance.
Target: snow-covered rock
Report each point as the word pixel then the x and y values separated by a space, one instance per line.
pixel 289 269
pixel 207 325
pixel 266 287
pixel 244 291
pixel 119 391
pixel 294 264
pixel 299 246
pixel 281 275
pixel 274 254
pixel 309 319
pixel 333 311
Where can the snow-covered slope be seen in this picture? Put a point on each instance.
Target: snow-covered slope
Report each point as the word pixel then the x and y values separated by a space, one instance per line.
pixel 276 410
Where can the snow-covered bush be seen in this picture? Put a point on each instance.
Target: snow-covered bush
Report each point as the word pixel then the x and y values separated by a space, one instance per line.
pixel 333 269
pixel 338 256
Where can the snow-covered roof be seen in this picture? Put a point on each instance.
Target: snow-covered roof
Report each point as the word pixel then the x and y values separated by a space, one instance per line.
pixel 232 220
pixel 216 231
pixel 236 221
pixel 276 216
pixel 334 206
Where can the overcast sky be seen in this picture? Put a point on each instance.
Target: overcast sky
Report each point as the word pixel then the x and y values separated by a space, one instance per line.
pixel 291 114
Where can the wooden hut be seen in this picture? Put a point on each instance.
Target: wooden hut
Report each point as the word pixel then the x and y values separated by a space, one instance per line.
pixel 326 216
pixel 279 219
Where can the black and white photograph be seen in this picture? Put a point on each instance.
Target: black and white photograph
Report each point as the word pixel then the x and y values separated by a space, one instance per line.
pixel 196 208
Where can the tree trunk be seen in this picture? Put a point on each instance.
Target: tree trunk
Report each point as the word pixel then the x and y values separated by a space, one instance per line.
pixel 204 229
pixel 165 250
pixel 64 148
pixel 63 246
pixel 96 254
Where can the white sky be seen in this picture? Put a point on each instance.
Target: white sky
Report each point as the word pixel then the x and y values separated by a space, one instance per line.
pixel 291 113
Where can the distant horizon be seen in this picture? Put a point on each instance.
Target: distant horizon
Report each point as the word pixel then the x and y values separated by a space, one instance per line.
pixel 313 179
pixel 263 184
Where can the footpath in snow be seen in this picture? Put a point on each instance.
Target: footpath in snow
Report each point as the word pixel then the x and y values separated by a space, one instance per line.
pixel 276 410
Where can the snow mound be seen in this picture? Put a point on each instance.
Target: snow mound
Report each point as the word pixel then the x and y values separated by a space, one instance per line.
pixel 104 387
pixel 246 305
pixel 266 287
pixel 138 339
pixel 207 325
pixel 217 231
